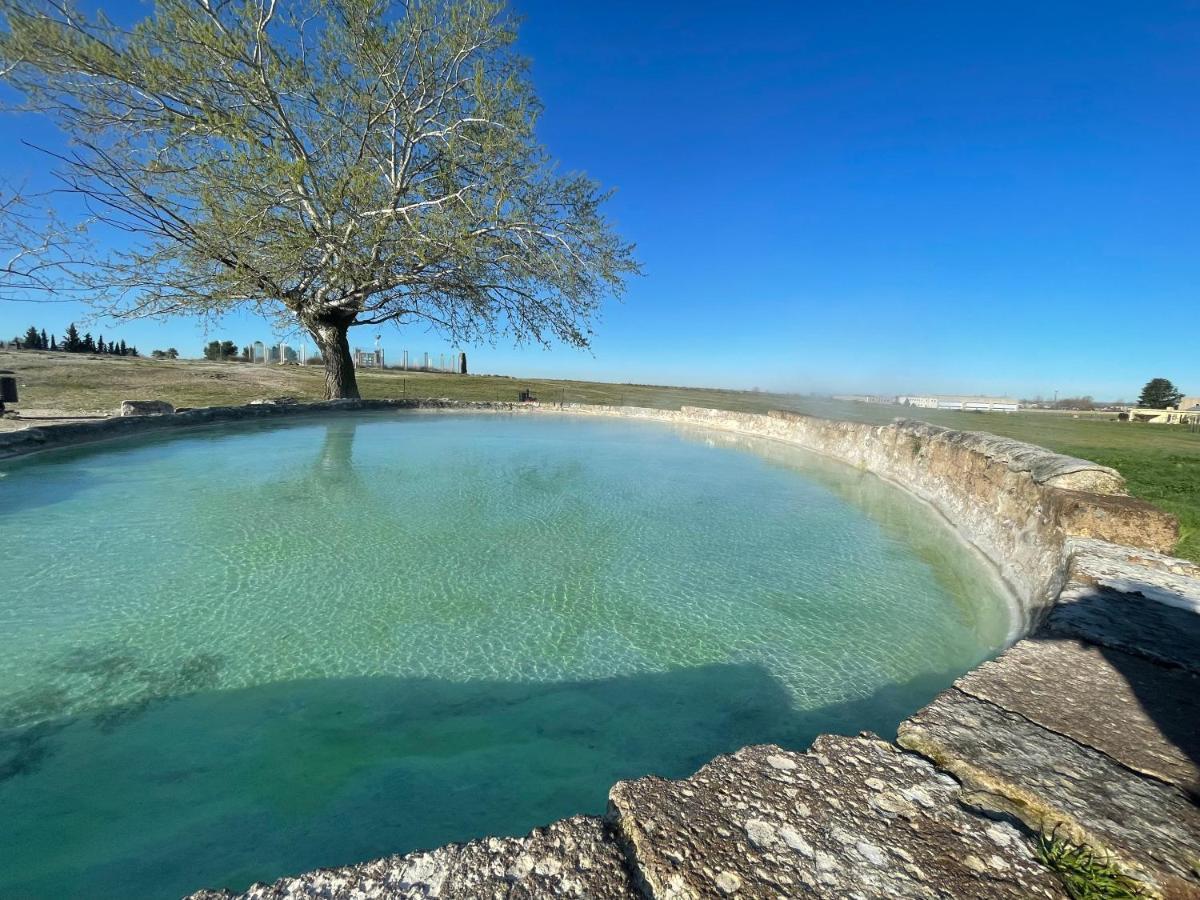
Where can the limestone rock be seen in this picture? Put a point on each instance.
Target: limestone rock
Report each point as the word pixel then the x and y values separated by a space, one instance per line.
pixel 146 408
pixel 571 858
pixel 747 826
pixel 1135 601
pixel 1010 765
pixel 1144 716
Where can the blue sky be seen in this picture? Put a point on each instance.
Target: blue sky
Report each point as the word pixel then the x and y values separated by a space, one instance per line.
pixel 989 197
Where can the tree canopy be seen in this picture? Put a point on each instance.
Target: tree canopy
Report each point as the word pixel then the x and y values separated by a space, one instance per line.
pixel 1159 393
pixel 221 350
pixel 36 262
pixel 328 163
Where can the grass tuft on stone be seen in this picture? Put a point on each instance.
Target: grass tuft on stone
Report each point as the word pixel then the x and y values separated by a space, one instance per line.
pixel 1086 874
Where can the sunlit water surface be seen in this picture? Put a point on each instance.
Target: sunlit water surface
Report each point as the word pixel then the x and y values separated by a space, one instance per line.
pixel 237 653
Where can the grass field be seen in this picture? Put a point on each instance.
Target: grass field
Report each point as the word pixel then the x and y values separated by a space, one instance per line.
pixel 1161 463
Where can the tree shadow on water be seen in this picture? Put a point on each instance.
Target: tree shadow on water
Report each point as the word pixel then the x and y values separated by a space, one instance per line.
pixel 221 788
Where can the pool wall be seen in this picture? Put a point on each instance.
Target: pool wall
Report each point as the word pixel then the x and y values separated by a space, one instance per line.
pixel 1084 729
pixel 1016 502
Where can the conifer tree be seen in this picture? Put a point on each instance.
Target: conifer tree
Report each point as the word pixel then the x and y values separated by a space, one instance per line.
pixel 1159 393
pixel 71 342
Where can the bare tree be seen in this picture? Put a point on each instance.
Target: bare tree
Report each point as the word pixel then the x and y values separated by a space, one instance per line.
pixel 328 164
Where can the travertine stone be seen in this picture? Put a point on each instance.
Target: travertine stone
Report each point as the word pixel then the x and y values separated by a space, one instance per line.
pixel 1165 579
pixel 853 817
pixel 1050 782
pixel 145 408
pixel 573 858
pixel 1140 714
pixel 1130 600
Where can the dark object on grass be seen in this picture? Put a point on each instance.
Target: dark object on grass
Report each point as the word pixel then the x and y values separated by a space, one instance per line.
pixel 8 388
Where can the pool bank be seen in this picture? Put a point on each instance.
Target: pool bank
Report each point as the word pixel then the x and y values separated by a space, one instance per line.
pixel 1085 727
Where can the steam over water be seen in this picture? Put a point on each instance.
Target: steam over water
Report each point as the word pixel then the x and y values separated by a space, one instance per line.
pixel 234 654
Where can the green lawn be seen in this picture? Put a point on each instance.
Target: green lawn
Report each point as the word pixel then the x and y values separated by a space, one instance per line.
pixel 1161 463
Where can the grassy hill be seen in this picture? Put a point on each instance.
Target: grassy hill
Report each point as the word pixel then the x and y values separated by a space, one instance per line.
pixel 1161 463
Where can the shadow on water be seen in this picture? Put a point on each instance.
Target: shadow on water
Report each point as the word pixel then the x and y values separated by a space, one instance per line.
pixel 221 788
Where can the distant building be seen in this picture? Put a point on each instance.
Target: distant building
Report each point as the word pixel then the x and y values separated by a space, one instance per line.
pixel 962 403
pixel 1165 416
pixel 922 402
pixel 864 398
pixel 1187 412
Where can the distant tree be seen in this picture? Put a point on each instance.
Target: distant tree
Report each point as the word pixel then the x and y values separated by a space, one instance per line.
pixel 89 343
pixel 220 350
pixel 172 353
pixel 158 354
pixel 32 340
pixel 71 341
pixel 45 344
pixel 1084 403
pixel 1159 393
pixel 53 343
pixel 100 348
pixel 123 350
pixel 133 351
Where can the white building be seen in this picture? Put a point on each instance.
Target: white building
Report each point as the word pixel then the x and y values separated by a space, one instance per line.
pixel 962 403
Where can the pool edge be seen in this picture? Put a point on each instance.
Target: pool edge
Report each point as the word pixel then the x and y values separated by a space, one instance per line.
pixel 1064 535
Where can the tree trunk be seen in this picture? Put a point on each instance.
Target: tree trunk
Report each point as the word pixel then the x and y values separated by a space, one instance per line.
pixel 340 383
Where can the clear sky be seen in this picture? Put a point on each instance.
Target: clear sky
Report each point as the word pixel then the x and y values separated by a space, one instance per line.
pixel 860 196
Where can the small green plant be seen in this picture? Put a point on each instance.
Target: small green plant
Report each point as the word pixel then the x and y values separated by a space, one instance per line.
pixel 1085 874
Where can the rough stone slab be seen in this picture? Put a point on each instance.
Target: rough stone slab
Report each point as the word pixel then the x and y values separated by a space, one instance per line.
pixel 1131 616
pixel 853 817
pixel 1164 579
pixel 1143 715
pixel 1115 518
pixel 573 858
pixel 145 408
pixel 1010 765
pixel 1044 466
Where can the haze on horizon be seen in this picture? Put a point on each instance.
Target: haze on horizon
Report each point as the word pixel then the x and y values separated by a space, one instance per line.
pixel 919 198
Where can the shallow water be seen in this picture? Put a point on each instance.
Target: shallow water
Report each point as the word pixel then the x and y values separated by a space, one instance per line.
pixel 242 652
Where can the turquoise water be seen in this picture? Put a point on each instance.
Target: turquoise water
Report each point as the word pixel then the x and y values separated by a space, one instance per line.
pixel 242 652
